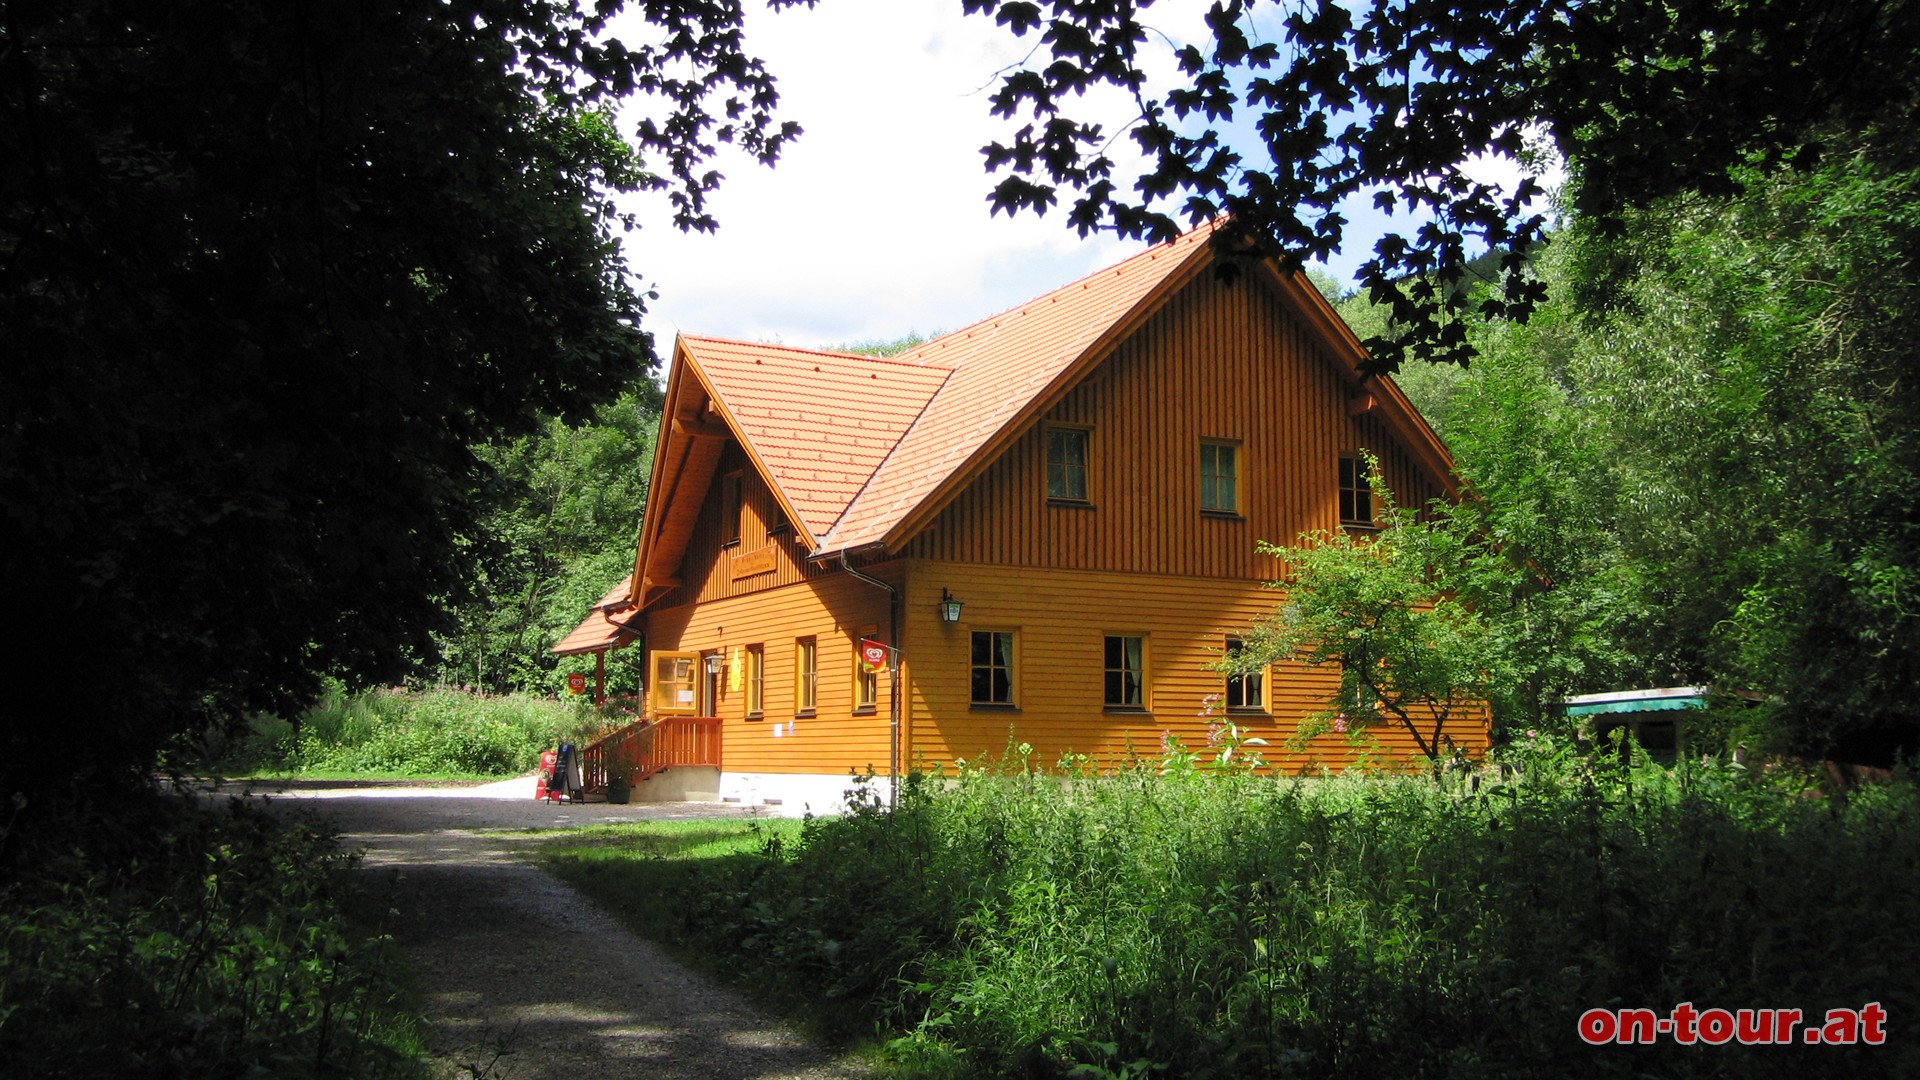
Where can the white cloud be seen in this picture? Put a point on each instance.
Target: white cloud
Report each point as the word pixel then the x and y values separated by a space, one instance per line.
pixel 875 222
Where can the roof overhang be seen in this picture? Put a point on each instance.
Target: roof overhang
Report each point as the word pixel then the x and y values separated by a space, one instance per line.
pixel 605 628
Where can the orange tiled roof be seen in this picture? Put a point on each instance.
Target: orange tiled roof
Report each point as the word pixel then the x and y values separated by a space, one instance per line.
pixel 1000 367
pixel 601 629
pixel 859 444
pixel 819 422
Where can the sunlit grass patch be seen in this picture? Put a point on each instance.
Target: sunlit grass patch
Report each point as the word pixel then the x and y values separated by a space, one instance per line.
pixel 706 838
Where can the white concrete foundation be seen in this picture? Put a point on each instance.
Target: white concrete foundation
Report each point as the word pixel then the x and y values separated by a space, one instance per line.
pixel 684 783
pixel 795 794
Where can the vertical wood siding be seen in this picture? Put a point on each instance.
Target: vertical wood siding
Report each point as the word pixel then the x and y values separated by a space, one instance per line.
pixel 707 571
pixel 1219 361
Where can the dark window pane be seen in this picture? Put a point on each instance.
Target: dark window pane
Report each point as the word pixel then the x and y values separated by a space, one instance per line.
pixel 990 675
pixel 1124 668
pixel 1218 477
pixel 1356 496
pixel 1066 464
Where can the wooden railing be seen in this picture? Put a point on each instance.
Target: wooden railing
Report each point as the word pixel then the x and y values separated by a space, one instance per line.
pixel 646 747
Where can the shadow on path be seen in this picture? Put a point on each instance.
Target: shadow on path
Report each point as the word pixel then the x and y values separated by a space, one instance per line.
pixel 523 978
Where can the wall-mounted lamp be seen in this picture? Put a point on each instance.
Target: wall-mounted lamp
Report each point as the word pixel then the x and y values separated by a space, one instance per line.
pixel 714 660
pixel 949 607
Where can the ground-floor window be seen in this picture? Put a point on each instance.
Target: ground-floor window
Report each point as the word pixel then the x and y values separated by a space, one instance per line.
pixel 673 682
pixel 992 667
pixel 1126 671
pixel 866 681
pixel 806 674
pixel 756 680
pixel 1245 691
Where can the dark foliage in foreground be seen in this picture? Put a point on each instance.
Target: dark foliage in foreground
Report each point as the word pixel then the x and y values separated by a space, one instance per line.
pixel 162 939
pixel 268 275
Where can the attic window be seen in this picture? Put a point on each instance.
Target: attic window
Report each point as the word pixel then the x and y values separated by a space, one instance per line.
pixel 732 486
pixel 1067 464
pixel 1356 492
pixel 1219 476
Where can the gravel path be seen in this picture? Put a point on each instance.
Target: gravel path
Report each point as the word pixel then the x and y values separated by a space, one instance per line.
pixel 522 977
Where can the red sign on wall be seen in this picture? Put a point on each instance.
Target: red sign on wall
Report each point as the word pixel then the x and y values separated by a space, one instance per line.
pixel 576 683
pixel 873 655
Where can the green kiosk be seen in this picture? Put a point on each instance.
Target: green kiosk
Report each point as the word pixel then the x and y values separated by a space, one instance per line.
pixel 1650 716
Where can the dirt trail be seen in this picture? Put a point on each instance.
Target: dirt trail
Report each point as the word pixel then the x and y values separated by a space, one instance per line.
pixel 511 959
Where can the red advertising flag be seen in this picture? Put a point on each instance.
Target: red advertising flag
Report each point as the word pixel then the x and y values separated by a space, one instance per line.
pixel 576 683
pixel 873 655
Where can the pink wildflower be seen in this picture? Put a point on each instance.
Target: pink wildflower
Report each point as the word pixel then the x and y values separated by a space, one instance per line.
pixel 1340 723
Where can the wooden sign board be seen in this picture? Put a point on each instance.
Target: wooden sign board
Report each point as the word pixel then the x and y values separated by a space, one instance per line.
pixel 753 562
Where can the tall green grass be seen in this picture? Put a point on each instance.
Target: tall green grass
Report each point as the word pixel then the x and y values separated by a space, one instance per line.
pixel 1176 920
pixel 438 731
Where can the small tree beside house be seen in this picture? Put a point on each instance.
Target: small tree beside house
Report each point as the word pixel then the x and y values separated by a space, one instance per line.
pixel 1378 604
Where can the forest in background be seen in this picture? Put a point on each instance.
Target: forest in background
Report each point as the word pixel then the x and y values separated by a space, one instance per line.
pixel 563 511
pixel 1702 448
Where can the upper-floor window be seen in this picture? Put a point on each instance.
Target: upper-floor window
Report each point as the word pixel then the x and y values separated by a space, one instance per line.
pixel 1220 476
pixel 1126 672
pixel 1247 690
pixel 732 505
pixel 1067 463
pixel 1356 493
pixel 990 668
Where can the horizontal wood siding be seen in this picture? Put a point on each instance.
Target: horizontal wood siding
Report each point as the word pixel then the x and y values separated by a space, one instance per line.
pixel 708 570
pixel 1060 619
pixel 1220 361
pixel 832 609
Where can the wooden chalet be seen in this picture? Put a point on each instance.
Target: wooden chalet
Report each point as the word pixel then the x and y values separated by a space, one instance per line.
pixel 1050 516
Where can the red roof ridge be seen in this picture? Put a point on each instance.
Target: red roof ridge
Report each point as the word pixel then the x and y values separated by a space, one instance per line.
pixel 937 446
pixel 837 354
pixel 1198 234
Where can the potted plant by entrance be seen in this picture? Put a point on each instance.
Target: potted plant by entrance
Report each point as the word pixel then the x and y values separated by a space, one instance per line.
pixel 619 786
